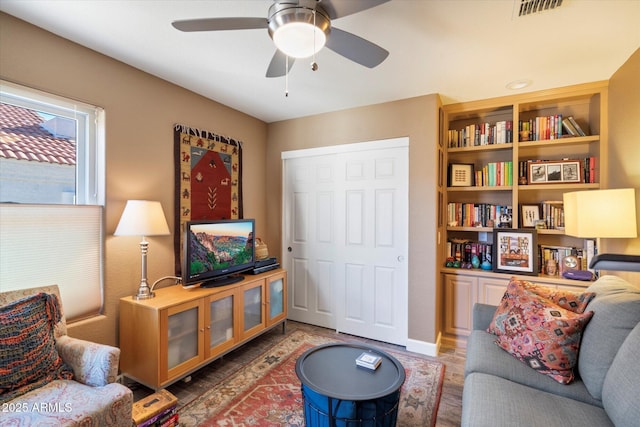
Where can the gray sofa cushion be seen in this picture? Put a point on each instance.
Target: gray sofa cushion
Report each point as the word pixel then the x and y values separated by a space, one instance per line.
pixel 492 401
pixel 622 383
pixel 488 358
pixel 616 310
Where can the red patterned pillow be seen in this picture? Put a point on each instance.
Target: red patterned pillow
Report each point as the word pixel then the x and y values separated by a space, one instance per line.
pixel 538 332
pixel 572 301
pixel 28 355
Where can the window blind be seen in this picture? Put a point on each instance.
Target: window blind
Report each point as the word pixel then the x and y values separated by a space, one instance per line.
pixel 54 245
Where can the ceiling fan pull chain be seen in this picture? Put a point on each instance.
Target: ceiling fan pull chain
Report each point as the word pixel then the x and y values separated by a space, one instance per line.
pixel 314 65
pixel 286 76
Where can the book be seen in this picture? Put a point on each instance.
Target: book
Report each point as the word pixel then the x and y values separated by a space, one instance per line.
pixel 153 407
pixel 571 130
pixel 369 360
pixel 577 126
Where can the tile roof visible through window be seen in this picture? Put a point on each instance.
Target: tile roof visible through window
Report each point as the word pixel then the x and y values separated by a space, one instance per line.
pixel 23 137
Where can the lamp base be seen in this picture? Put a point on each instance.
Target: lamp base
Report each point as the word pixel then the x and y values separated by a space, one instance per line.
pixel 144 292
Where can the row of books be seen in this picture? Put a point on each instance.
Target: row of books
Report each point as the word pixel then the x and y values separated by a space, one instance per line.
pixel 485 133
pixel 557 254
pixel 549 127
pixel 478 215
pixel 495 174
pixel 552 213
pixel 463 252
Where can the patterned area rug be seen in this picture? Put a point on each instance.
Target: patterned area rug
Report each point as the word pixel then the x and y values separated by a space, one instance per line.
pixel 266 392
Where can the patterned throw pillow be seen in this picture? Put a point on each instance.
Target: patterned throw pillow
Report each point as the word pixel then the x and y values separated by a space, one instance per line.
pixel 28 355
pixel 538 332
pixel 572 301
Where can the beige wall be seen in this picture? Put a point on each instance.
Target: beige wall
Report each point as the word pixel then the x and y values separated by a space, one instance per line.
pixel 140 113
pixel 624 146
pixel 416 118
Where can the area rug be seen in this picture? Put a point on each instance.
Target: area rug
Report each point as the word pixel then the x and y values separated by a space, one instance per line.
pixel 266 392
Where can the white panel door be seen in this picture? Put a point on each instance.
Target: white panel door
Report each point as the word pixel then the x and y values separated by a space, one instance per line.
pixel 346 240
pixel 372 290
pixel 310 255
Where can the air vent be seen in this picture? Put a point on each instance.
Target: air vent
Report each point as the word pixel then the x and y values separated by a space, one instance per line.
pixel 529 7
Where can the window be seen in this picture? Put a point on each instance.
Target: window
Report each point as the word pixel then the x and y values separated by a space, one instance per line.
pixel 52 185
pixel 51 148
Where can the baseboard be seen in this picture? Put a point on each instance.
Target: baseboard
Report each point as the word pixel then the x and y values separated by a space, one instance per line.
pixel 424 347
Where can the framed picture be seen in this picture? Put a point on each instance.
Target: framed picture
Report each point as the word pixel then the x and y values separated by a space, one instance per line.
pixel 515 251
pixel 461 175
pixel 551 172
pixel 529 215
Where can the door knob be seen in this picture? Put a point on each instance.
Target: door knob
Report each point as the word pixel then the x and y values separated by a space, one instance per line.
pixel 400 258
pixel 289 249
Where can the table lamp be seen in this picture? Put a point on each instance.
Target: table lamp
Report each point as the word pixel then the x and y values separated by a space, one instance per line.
pixel 143 218
pixel 603 214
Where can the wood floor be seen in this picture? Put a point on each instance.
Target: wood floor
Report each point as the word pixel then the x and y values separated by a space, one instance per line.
pixel 200 381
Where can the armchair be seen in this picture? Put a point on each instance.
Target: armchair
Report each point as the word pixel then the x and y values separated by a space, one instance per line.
pixel 83 392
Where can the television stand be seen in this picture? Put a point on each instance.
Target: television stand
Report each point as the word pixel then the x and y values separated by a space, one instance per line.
pixel 222 281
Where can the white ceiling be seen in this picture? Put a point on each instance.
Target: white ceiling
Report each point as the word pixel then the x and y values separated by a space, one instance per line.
pixel 461 49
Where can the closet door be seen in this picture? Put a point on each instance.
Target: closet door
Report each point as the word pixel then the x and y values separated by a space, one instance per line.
pixel 346 239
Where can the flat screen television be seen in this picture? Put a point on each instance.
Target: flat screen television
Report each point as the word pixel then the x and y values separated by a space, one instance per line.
pixel 216 251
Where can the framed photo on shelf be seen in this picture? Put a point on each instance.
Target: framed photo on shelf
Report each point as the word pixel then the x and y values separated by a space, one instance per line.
pixel 461 175
pixel 551 172
pixel 515 251
pixel 529 215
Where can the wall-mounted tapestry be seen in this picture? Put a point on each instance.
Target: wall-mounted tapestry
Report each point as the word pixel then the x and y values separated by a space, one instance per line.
pixel 208 179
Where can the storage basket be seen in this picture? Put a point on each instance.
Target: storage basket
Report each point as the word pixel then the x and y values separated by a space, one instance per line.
pixel 262 251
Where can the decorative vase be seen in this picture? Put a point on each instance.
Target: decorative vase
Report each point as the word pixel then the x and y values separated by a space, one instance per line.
pixel 475 261
pixel 486 265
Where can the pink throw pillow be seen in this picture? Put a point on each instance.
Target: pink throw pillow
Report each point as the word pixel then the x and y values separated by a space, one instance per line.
pixel 538 332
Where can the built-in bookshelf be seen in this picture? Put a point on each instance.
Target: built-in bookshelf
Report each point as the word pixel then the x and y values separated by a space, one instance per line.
pixel 517 155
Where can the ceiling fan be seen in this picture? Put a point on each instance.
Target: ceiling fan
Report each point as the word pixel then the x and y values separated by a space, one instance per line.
pixel 299 29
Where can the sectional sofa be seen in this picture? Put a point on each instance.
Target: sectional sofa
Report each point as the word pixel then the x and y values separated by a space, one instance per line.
pixel 505 388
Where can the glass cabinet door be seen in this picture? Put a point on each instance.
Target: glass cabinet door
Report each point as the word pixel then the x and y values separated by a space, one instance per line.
pixel 221 320
pixel 277 298
pixel 252 307
pixel 182 339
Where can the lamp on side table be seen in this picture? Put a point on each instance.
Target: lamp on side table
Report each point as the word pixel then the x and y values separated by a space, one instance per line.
pixel 143 218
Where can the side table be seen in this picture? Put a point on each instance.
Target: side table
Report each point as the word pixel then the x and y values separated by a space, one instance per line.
pixel 337 392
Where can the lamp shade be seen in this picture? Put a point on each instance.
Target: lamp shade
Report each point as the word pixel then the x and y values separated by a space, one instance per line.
pixel 142 218
pixel 601 213
pixel 299 39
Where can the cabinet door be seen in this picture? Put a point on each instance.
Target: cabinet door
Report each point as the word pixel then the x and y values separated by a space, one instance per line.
pixel 460 294
pixel 182 338
pixel 276 298
pixel 221 330
pixel 490 290
pixel 253 305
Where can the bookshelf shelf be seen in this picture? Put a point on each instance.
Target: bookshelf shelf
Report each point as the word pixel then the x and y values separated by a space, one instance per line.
pixel 575 140
pixel 531 130
pixel 493 147
pixel 481 189
pixel 558 187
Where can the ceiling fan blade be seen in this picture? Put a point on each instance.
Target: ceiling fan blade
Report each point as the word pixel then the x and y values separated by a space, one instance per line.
pixel 220 24
pixel 356 48
pixel 278 64
pixel 339 8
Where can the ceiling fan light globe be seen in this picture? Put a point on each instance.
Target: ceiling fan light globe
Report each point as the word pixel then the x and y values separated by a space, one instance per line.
pixel 299 39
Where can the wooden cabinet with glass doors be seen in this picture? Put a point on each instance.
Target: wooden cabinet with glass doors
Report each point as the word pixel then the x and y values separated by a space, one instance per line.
pixel 165 338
